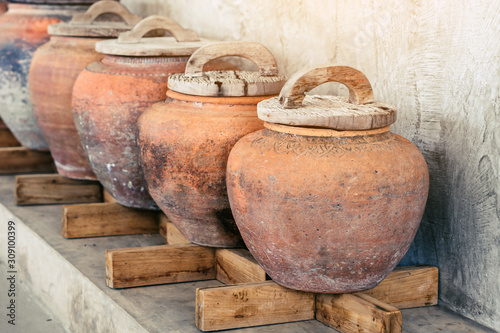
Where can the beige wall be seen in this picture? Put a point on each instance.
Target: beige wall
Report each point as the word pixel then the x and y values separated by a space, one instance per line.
pixel 439 63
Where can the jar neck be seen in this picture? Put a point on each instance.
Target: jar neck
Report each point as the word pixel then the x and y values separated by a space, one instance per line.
pixel 323 132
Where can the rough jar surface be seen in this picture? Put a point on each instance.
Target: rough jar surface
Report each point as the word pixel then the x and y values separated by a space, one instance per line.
pixel 184 145
pixel 327 214
pixel 54 69
pixel 23 29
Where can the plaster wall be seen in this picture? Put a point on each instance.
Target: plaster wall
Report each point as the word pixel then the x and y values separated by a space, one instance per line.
pixel 439 63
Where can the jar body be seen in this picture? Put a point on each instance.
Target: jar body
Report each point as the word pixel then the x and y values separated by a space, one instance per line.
pixel 54 69
pixel 24 29
pixel 327 214
pixel 184 145
pixel 108 98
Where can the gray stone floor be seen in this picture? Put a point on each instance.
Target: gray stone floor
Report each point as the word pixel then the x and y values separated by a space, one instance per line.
pixel 68 277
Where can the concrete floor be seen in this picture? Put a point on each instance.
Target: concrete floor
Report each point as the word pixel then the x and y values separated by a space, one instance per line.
pixel 64 288
pixel 31 316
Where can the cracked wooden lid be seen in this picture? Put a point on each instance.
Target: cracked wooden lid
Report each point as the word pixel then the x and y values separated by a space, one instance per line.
pixel 85 24
pixel 359 112
pixel 133 43
pixel 194 81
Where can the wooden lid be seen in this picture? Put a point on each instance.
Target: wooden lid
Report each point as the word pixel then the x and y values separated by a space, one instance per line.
pixel 84 24
pixel 132 43
pixel 194 81
pixel 359 112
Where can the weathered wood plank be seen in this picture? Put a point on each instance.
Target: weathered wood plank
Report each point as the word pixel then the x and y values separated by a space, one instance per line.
pixel 408 287
pixel 159 264
pixel 55 189
pixel 250 304
pixel 7 139
pixel 107 197
pixel 237 266
pixel 107 219
pixel 21 160
pixel 172 234
pixel 349 313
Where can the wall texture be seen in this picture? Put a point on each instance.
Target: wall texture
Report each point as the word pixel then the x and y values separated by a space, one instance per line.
pixel 439 63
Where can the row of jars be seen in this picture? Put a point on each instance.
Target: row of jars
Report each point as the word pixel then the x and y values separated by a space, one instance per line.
pixel 324 196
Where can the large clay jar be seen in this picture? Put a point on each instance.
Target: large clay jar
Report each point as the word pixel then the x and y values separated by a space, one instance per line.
pixel 111 94
pixel 23 29
pixel 185 141
pixel 327 199
pixel 3 7
pixel 54 69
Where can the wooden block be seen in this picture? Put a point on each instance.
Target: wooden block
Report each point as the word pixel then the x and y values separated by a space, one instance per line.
pixel 107 197
pixel 348 313
pixel 21 160
pixel 107 219
pixel 250 304
pixel 55 189
pixel 408 287
pixel 173 235
pixel 237 266
pixel 146 266
pixel 162 225
pixel 7 139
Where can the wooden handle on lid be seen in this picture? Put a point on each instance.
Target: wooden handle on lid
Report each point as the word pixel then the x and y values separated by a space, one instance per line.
pixel 106 7
pixel 156 22
pixel 255 52
pixel 360 89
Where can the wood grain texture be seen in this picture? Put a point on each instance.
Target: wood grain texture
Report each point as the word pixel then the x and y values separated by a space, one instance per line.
pixel 7 139
pixel 250 304
pixel 55 189
pixel 156 22
pixel 255 52
pixel 83 24
pixel 21 159
pixel 227 83
pixel 106 7
pixel 237 266
pixel 172 234
pixel 107 197
pixel 349 313
pixel 146 266
pixel 107 219
pixel 408 287
pixel 329 112
pixel 293 93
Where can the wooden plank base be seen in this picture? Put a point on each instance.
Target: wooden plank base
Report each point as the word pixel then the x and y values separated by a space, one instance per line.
pixel 357 313
pixel 170 231
pixel 159 264
pixel 7 139
pixel 24 160
pixel 405 287
pixel 55 189
pixel 251 304
pixel 408 287
pixel 237 266
pixel 107 219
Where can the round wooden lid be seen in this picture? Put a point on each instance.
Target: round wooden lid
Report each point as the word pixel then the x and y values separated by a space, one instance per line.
pixel 85 24
pixel 133 43
pixel 359 112
pixel 194 81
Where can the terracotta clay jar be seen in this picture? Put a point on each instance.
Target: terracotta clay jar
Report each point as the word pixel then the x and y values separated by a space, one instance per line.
pixel 3 7
pixel 111 94
pixel 327 199
pixel 54 69
pixel 185 141
pixel 23 29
